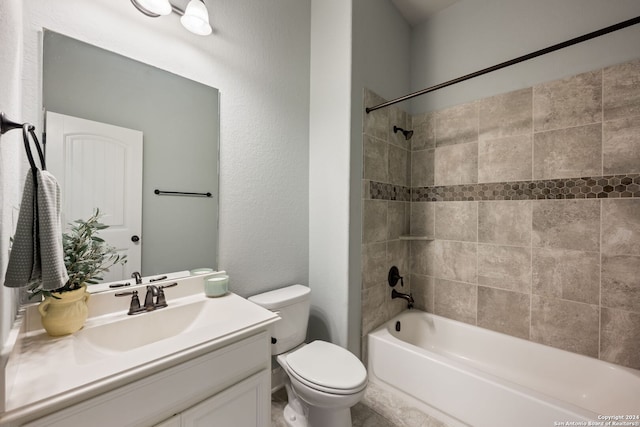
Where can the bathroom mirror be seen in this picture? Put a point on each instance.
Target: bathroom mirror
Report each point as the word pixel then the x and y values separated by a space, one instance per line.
pixel 179 122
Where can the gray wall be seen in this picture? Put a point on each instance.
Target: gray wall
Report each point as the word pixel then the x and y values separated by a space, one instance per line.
pixel 381 62
pixel 179 120
pixel 471 35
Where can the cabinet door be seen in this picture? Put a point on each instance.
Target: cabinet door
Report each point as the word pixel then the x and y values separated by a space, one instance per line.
pixel 246 404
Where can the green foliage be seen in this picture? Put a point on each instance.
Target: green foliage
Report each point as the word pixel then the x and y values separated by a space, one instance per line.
pixel 86 256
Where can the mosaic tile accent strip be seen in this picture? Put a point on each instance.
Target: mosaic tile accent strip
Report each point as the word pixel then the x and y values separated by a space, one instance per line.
pixel 382 191
pixel 594 187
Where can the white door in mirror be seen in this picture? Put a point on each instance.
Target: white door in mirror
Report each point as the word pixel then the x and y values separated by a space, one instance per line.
pixel 100 166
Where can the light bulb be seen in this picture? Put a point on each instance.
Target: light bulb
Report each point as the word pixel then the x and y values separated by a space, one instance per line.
pixel 196 18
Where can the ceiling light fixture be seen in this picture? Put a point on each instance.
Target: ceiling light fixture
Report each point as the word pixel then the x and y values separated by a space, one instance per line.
pixel 153 8
pixel 195 18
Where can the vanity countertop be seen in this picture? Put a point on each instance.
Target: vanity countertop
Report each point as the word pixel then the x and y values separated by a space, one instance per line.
pixel 52 373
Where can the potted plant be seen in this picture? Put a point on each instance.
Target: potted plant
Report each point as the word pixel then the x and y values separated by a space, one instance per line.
pixel 86 257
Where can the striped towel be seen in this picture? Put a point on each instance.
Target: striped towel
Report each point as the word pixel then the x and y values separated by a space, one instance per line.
pixel 37 255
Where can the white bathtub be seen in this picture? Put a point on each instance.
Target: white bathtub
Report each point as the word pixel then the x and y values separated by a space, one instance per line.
pixel 467 375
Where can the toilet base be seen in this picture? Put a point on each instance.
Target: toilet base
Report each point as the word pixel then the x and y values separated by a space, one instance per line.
pixel 294 419
pixel 298 413
pixel 322 417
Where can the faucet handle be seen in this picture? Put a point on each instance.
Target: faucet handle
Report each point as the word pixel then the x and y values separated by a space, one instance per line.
pixel 394 276
pixel 162 300
pixel 134 307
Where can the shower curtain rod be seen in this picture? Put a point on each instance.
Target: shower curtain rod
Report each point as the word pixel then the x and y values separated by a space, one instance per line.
pixel 576 40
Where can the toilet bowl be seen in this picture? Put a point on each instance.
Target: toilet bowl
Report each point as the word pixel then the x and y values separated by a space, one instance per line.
pixel 323 380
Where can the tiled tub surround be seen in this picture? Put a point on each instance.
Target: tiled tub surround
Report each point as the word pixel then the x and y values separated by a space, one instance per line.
pixel 387 174
pixel 533 201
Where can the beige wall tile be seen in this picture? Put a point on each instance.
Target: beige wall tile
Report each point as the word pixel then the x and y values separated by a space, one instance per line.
pixel 455 300
pixel 366 189
pixel 422 290
pixel 567 274
pixel 505 159
pixel 568 153
pixel 621 282
pixel 504 311
pixel 422 257
pixel 375 123
pixel 568 224
pixel 620 335
pixel 455 261
pixel 376 160
pixel 374 264
pixel 621 90
pixel 422 219
pixel 621 226
pixel 398 117
pixel 505 267
pixel 506 115
pixel 397 219
pixel 399 166
pixel 374 221
pixel 424 131
pixel 573 101
pixel 374 311
pixel 398 254
pixel 505 222
pixel 456 164
pixel 422 168
pixel 565 324
pixel 457 125
pixel 621 146
pixel 456 221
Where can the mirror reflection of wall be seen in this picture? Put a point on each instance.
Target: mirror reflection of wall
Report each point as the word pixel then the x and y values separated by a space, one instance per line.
pixel 179 119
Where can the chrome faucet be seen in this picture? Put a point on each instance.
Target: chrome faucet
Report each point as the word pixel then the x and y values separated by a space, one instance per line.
pixel 136 275
pixel 408 297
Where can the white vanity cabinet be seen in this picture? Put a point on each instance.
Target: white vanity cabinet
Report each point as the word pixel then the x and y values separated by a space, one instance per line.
pixel 228 386
pixel 242 405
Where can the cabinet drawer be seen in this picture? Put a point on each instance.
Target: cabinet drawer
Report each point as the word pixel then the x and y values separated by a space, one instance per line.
pixel 163 394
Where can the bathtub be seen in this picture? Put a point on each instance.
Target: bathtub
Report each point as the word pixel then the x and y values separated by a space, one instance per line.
pixel 465 375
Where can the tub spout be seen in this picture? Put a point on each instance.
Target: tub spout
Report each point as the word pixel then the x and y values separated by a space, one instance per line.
pixel 408 297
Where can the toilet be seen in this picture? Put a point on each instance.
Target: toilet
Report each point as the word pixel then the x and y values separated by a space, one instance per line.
pixel 323 380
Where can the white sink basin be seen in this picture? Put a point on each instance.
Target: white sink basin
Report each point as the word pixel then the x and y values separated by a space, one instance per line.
pixel 146 328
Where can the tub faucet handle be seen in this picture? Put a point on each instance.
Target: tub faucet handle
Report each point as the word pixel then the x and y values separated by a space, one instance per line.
pixel 394 276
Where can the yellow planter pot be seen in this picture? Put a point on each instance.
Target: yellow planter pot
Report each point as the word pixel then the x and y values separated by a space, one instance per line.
pixel 66 313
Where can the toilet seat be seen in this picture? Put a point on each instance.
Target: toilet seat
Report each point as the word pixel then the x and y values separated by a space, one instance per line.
pixel 327 367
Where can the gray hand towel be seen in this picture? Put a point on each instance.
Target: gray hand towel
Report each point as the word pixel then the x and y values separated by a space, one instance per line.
pixel 36 254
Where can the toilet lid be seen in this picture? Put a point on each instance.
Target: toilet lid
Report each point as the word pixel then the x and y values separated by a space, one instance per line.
pixel 328 365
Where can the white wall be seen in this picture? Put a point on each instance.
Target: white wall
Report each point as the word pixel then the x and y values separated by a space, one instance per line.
pixel 258 57
pixel 10 163
pixel 472 34
pixel 329 134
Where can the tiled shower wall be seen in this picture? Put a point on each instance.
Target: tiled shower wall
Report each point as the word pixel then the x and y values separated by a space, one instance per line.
pixel 532 199
pixel 387 164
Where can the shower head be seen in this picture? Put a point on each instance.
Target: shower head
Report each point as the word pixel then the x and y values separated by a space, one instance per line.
pixel 407 133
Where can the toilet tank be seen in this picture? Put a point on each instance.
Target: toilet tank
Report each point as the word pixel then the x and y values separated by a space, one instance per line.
pixel 292 305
